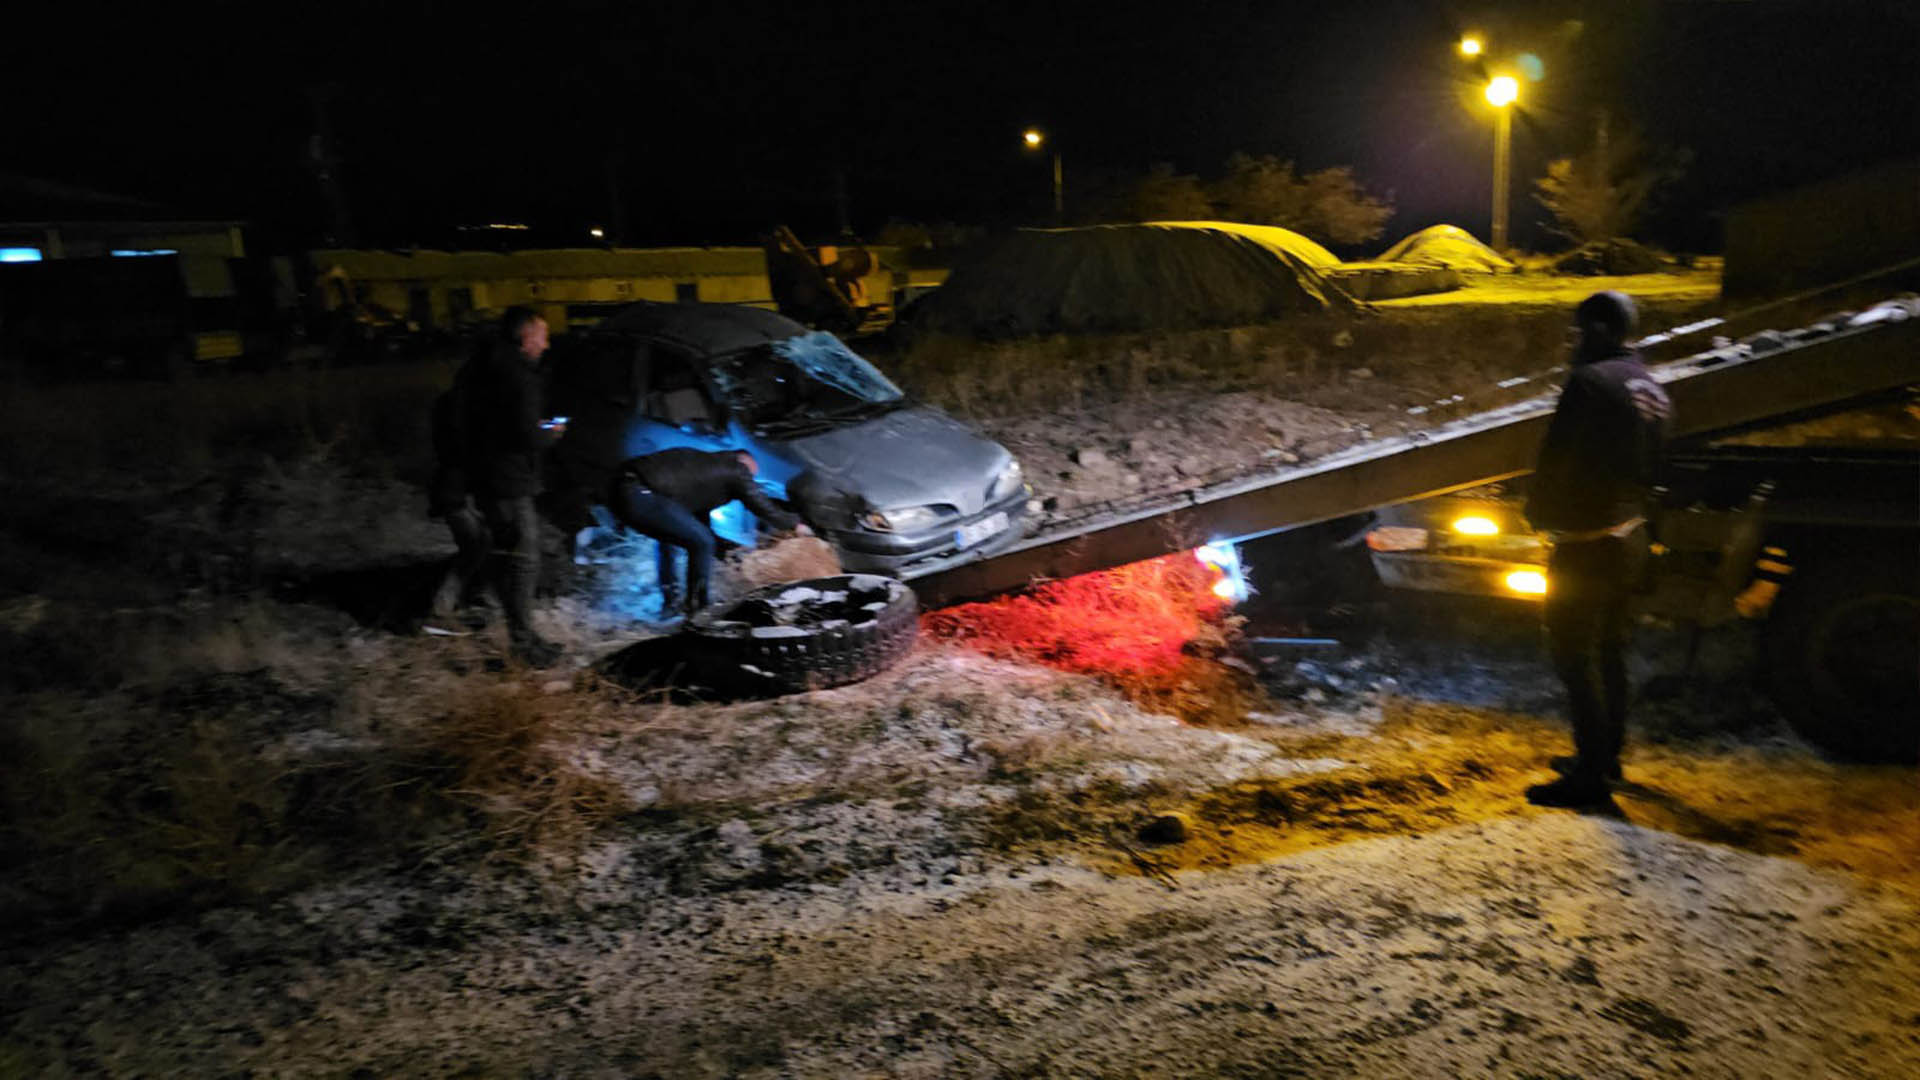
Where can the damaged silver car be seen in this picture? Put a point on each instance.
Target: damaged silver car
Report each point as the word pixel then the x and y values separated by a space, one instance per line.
pixel 896 486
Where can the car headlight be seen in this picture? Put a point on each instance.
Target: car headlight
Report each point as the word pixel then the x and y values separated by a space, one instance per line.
pixel 1527 582
pixel 1009 481
pixel 903 519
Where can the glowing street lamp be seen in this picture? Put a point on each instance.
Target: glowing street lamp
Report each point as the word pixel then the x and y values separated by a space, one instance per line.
pixel 1471 46
pixel 1034 140
pixel 1502 92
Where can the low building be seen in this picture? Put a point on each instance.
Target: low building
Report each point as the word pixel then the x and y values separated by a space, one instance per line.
pixel 46 222
pixel 570 287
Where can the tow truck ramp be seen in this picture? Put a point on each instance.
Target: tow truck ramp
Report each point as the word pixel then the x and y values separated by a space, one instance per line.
pixel 1769 377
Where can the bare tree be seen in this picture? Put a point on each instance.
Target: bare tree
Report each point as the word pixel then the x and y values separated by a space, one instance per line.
pixel 1329 205
pixel 1161 195
pixel 1601 193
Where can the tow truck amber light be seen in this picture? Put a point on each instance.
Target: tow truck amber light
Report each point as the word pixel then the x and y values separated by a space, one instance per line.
pixel 1475 525
pixel 1397 538
pixel 1527 582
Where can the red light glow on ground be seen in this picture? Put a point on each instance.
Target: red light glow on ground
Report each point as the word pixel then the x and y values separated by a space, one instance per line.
pixel 1128 624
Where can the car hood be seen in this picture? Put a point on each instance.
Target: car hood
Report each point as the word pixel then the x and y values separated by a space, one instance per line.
pixel 909 457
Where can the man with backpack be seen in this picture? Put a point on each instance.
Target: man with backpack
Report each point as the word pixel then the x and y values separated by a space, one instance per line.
pixel 489 434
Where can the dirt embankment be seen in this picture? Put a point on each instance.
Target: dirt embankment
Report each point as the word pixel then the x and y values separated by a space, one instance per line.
pixel 1099 418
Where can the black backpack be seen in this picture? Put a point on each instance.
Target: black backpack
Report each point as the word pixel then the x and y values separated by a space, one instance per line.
pixel 450 428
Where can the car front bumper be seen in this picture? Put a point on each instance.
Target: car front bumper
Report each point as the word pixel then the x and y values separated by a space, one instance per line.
pixel 911 554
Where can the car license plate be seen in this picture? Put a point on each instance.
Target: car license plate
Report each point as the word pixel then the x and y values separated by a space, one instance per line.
pixel 969 535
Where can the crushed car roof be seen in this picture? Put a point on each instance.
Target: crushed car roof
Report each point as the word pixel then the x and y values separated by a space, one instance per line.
pixel 711 329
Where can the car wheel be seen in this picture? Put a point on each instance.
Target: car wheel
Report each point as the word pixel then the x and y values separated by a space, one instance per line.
pixel 807 635
pixel 1843 659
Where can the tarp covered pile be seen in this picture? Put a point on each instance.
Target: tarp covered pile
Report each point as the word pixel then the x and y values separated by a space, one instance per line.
pixel 1449 246
pixel 1161 275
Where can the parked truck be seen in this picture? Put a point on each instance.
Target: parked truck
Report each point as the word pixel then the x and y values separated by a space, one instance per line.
pixel 1808 520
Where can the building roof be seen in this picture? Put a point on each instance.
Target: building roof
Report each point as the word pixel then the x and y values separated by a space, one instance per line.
pixel 682 263
pixel 31 200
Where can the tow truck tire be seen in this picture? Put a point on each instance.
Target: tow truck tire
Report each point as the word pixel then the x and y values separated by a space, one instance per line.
pixel 1842 652
pixel 807 635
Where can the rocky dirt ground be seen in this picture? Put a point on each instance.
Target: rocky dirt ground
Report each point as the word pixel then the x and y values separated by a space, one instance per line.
pixel 978 867
pixel 966 867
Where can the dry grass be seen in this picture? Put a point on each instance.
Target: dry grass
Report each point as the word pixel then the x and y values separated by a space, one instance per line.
pixel 226 779
pixel 167 812
pixel 793 559
pixel 495 756
pixel 143 432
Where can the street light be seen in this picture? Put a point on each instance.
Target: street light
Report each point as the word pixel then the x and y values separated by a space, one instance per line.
pixel 1035 139
pixel 1502 92
pixel 1471 46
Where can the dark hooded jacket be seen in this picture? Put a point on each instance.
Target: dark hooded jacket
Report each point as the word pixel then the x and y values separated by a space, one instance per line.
pixel 702 481
pixel 503 394
pixel 1601 456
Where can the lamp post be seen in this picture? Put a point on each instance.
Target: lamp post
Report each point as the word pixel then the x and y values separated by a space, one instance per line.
pixel 1502 91
pixel 1034 140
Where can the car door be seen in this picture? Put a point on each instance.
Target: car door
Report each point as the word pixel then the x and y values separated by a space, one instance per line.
pixel 675 407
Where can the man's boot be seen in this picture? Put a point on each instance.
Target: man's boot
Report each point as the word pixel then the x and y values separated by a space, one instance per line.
pixel 1568 764
pixel 518 574
pixel 1579 790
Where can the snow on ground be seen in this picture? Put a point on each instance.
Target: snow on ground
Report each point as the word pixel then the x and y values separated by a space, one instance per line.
pixel 1548 945
pixel 944 872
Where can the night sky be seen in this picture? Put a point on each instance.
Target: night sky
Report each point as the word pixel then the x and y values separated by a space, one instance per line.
pixel 722 119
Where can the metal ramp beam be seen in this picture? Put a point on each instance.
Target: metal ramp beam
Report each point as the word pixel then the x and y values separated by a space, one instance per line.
pixel 1717 391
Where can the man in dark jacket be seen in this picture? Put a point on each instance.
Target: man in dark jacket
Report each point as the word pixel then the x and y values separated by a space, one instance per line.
pixel 497 411
pixel 668 495
pixel 1590 495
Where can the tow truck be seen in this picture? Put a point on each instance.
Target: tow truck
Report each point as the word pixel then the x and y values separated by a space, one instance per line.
pixel 1843 631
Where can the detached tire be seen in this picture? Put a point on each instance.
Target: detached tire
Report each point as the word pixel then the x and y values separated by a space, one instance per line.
pixel 807 635
pixel 1843 658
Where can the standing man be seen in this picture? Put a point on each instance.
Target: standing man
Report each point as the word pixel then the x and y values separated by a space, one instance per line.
pixel 1590 495
pixel 497 417
pixel 668 495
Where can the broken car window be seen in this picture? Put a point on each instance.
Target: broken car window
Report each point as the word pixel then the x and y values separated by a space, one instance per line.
pixel 802 379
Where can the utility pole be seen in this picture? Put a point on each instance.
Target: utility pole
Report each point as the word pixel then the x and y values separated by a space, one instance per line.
pixel 324 162
pixel 1502 91
pixel 1059 193
pixel 1502 153
pixel 843 215
pixel 616 203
